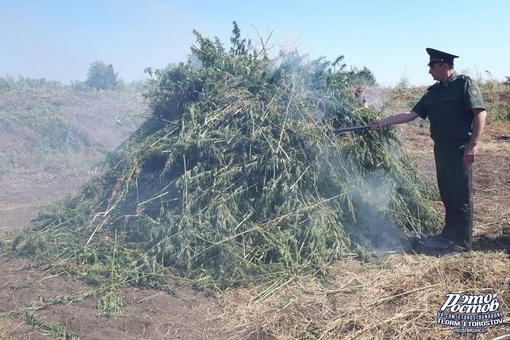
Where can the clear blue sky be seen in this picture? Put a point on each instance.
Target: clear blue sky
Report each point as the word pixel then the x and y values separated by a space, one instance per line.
pixel 58 39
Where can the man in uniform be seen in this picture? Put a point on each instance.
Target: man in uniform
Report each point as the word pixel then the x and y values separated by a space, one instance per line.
pixel 455 109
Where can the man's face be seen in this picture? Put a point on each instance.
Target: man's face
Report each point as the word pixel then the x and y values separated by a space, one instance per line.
pixel 439 71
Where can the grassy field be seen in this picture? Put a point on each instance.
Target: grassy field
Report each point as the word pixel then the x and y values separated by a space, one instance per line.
pixel 52 142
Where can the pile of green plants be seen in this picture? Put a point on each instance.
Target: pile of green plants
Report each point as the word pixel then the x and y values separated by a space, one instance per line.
pixel 237 177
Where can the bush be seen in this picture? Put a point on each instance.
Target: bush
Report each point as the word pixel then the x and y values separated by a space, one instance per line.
pixel 101 76
pixel 9 83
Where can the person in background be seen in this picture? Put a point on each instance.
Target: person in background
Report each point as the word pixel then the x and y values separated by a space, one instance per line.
pixel 456 111
pixel 359 95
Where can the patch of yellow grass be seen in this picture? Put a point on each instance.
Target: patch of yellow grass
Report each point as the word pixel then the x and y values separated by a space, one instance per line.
pixel 396 298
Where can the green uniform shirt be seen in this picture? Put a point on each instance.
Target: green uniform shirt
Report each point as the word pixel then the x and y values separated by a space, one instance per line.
pixel 449 107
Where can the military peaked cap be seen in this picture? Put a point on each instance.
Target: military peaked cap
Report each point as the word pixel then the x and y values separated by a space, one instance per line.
pixel 436 56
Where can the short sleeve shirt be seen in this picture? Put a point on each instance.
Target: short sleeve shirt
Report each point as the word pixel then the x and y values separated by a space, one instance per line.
pixel 449 107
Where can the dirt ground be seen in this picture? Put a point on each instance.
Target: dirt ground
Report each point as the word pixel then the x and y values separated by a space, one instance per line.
pixel 189 314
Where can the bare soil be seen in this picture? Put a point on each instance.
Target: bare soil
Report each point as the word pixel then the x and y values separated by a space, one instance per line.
pixel 192 315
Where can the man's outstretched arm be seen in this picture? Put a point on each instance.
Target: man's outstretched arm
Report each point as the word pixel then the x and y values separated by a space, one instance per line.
pixel 396 119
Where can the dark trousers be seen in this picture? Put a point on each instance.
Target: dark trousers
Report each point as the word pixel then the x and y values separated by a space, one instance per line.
pixel 454 179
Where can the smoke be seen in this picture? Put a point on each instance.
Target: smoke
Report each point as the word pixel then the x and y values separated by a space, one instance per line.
pixel 373 227
pixel 375 98
pixel 370 192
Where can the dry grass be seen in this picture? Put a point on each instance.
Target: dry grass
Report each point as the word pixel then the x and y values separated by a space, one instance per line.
pixel 497 141
pixel 396 298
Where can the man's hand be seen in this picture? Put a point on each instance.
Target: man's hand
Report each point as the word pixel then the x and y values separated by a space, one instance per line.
pixel 376 125
pixel 469 154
